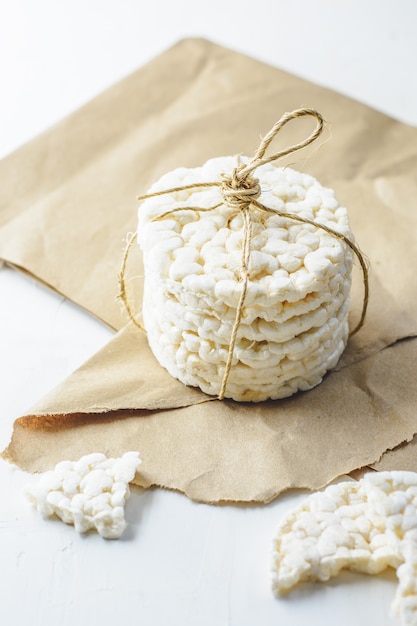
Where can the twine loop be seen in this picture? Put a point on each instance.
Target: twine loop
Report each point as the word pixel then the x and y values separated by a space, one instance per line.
pixel 241 191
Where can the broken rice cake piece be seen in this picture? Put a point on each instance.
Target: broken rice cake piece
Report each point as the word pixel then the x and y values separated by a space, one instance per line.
pixel 364 526
pixel 89 493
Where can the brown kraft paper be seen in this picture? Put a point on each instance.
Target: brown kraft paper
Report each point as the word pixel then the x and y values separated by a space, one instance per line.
pixel 67 204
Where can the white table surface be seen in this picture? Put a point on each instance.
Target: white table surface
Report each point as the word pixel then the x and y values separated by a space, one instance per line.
pixel 179 562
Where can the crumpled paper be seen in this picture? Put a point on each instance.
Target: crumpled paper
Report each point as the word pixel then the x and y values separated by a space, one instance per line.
pixel 67 204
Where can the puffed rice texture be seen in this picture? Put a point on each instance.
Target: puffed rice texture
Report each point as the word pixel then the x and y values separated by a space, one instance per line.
pixel 89 493
pixel 294 326
pixel 365 526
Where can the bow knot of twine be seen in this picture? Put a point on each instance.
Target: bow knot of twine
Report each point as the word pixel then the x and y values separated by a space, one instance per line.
pixel 241 192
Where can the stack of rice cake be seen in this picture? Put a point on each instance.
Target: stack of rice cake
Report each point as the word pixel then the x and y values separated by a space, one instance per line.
pixel 294 324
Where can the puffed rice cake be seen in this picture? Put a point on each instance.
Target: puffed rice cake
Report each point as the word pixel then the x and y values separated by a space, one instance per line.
pixel 294 324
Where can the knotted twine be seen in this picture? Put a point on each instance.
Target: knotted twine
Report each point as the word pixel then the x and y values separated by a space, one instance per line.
pixel 240 192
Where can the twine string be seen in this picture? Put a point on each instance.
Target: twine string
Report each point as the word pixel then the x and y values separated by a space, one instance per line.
pixel 244 276
pixel 123 296
pixel 259 157
pixel 240 191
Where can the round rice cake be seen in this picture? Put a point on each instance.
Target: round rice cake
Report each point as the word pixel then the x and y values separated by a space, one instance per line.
pixel 294 325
